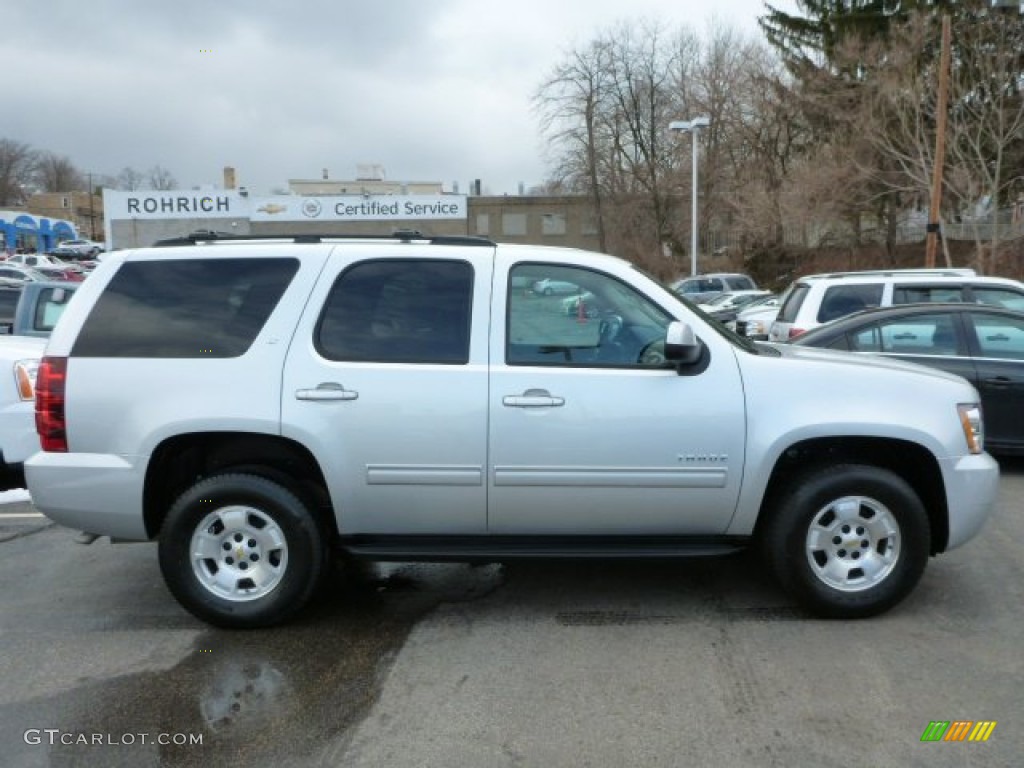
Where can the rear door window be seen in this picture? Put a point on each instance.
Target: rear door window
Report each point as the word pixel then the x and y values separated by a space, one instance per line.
pixel 184 308
pixel 999 337
pixel 922 294
pixel 917 335
pixel 399 311
pixel 998 297
pixel 842 300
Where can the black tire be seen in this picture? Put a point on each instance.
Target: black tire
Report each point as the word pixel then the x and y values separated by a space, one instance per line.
pixel 848 541
pixel 266 553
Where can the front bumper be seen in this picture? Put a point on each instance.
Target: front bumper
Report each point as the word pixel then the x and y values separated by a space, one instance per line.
pixel 972 486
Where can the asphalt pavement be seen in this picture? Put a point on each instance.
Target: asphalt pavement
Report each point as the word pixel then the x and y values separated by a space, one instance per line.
pixel 695 663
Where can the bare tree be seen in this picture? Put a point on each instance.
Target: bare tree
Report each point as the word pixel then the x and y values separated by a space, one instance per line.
pixel 161 178
pixel 17 167
pixel 129 179
pixel 606 111
pixel 56 173
pixel 570 106
pixel 898 115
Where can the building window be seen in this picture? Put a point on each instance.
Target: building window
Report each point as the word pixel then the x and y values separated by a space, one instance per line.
pixel 552 224
pixel 483 224
pixel 65 202
pixel 513 224
pixel 589 224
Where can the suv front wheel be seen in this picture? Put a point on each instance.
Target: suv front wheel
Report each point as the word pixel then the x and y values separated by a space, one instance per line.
pixel 239 551
pixel 848 541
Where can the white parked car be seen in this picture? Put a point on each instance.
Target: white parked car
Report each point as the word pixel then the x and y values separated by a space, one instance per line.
pixel 755 322
pixel 80 248
pixel 817 299
pixel 256 406
pixel 19 361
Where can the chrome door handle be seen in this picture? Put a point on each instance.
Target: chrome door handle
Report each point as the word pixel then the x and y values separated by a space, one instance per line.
pixel 533 398
pixel 328 390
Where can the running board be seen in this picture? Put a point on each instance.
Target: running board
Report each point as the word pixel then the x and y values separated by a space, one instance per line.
pixel 497 547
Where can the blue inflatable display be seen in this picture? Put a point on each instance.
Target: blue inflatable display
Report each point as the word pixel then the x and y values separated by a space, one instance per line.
pixel 16 226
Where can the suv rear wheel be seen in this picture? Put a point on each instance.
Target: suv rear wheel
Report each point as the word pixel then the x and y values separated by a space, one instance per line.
pixel 239 550
pixel 848 541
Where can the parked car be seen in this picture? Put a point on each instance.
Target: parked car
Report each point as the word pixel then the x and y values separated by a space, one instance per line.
pixel 29 312
pixel 551 287
pixel 817 299
pixel 14 273
pixel 983 344
pixel 255 405
pixel 34 260
pixel 79 248
pixel 726 306
pixel 69 273
pixel 40 306
pixel 703 287
pixel 755 320
pixel 20 357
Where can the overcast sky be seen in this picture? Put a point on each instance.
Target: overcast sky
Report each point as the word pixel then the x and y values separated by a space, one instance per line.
pixel 280 89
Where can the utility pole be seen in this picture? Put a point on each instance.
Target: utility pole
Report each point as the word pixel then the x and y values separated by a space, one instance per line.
pixel 92 212
pixel 933 232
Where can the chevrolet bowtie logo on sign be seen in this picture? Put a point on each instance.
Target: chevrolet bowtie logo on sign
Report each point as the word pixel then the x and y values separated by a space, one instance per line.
pixel 958 730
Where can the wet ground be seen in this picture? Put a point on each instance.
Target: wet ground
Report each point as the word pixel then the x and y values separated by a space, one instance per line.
pixel 95 648
pixel 530 664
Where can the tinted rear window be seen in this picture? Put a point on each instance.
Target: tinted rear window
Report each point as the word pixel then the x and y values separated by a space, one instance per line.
pixel 399 311
pixel 740 283
pixel 184 308
pixel 842 300
pixel 8 302
pixel 921 294
pixel 794 299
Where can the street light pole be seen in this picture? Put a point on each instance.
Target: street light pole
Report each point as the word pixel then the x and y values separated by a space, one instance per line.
pixel 92 212
pixel 693 127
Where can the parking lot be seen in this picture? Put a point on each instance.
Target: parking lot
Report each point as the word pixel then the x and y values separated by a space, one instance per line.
pixel 693 663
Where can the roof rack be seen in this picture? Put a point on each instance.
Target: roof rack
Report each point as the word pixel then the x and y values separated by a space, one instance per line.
pixel 948 272
pixel 401 235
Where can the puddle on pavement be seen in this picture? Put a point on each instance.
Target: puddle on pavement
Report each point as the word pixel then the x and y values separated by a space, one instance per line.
pixel 279 697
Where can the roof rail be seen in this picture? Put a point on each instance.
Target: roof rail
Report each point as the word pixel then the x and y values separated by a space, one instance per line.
pixel 401 235
pixel 947 272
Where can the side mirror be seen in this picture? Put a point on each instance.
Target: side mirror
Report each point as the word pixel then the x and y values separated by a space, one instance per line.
pixel 681 345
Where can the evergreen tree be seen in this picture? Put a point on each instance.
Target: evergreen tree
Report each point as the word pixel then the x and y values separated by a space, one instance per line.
pixel 810 40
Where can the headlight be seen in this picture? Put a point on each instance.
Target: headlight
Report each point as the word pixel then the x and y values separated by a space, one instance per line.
pixel 973 426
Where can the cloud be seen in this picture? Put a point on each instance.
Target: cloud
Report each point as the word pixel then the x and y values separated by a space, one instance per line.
pixel 279 90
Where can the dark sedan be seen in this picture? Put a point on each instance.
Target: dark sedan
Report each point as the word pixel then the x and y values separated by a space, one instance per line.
pixel 983 344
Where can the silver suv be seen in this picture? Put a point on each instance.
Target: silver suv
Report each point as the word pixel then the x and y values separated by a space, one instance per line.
pixel 700 288
pixel 259 405
pixel 817 299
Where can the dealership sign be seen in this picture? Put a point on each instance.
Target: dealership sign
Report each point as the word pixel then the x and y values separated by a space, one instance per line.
pixel 229 204
pixel 358 208
pixel 174 204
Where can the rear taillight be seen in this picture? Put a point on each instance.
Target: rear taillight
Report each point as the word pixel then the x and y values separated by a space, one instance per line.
pixel 794 332
pixel 50 385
